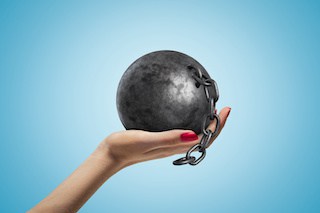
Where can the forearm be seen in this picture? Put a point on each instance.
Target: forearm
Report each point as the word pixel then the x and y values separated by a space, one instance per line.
pixel 72 193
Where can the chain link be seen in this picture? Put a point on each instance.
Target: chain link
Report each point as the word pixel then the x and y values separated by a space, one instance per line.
pixel 206 82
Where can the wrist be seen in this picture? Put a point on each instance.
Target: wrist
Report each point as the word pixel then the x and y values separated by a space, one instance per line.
pixel 104 155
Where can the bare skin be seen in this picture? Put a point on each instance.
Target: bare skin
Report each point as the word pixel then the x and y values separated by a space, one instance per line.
pixel 115 152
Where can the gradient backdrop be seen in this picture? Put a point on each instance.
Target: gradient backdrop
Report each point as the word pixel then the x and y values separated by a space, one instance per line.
pixel 60 64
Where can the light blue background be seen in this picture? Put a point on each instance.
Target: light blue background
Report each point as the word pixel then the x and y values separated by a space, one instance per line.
pixel 60 64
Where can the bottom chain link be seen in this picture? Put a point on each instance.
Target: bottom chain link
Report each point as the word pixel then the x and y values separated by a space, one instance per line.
pixel 184 160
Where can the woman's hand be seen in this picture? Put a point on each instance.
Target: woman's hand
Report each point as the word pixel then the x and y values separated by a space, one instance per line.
pixel 115 152
pixel 133 146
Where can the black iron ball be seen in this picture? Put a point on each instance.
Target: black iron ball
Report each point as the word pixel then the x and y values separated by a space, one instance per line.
pixel 157 92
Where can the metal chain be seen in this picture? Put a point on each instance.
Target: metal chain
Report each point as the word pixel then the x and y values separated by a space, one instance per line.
pixel 206 82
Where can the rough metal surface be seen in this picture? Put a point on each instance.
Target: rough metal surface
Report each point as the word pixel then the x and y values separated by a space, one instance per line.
pixel 157 93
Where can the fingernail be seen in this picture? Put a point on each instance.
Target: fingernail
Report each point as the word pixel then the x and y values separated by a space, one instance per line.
pixel 215 111
pixel 188 136
pixel 229 111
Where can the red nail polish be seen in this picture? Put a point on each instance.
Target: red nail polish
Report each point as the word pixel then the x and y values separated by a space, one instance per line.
pixel 215 111
pixel 188 136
